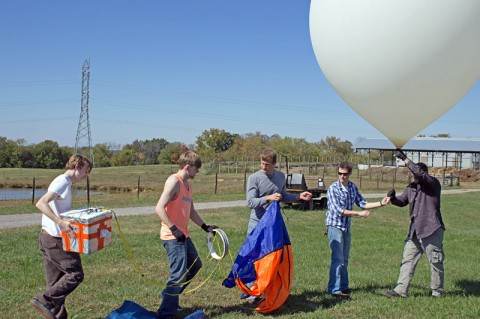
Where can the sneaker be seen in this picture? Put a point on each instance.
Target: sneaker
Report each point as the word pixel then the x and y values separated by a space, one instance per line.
pixel 162 295
pixel 347 291
pixel 392 294
pixel 47 313
pixel 244 296
pixel 341 295
pixel 252 301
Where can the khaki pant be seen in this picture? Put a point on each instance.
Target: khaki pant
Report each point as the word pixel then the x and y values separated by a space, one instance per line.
pixel 63 272
pixel 413 250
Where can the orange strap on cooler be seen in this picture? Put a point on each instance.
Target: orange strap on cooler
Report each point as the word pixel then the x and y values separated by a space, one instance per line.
pixel 81 235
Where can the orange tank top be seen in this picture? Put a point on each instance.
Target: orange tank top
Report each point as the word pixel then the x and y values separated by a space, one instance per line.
pixel 178 210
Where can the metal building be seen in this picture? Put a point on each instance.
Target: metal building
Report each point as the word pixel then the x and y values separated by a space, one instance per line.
pixel 435 152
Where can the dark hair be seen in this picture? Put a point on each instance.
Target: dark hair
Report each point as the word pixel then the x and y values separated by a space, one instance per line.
pixel 346 165
pixel 423 167
pixel 268 155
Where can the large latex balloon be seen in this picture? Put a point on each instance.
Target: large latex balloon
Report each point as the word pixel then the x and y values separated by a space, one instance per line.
pixel 400 64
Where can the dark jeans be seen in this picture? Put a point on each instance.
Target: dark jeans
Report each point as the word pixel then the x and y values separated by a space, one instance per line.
pixel 184 265
pixel 64 272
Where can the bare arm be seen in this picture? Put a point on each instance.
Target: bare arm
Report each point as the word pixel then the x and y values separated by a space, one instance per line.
pixel 384 202
pixel 195 217
pixel 362 213
pixel 365 213
pixel 170 191
pixel 45 208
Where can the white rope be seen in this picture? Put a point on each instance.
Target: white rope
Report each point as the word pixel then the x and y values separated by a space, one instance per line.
pixel 224 239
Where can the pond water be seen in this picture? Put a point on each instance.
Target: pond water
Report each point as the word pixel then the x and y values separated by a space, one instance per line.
pixel 12 194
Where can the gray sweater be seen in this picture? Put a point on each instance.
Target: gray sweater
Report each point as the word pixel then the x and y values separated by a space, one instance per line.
pixel 260 185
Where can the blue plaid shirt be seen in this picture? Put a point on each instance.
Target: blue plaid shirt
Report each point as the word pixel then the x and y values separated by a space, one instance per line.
pixel 341 198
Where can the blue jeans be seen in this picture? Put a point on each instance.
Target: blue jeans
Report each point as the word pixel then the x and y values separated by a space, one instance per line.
pixel 339 242
pixel 184 265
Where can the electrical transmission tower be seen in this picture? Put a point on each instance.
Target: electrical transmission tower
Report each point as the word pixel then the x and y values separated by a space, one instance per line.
pixel 83 143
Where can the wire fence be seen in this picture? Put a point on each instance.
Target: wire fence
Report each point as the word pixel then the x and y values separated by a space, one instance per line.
pixel 147 181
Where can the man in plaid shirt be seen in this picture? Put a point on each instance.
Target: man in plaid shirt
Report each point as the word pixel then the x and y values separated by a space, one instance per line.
pixel 341 196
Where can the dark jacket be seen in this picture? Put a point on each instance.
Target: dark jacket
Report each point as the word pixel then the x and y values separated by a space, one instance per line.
pixel 424 200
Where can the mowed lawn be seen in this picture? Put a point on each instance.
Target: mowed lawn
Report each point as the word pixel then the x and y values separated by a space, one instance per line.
pixel 377 243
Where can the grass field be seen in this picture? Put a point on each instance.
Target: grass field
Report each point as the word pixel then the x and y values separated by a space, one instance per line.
pixel 377 244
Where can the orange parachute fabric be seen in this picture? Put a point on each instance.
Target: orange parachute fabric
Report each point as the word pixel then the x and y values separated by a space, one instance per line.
pixel 264 265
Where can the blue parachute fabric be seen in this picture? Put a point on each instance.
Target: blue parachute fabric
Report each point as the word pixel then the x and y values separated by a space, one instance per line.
pixel 131 310
pixel 269 235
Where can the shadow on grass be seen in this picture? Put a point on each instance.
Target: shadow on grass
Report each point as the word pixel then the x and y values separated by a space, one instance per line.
pixel 305 302
pixel 378 290
pixel 467 287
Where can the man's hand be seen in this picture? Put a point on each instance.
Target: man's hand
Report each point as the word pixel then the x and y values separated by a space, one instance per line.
pixel 65 226
pixel 400 154
pixel 364 213
pixel 273 197
pixel 179 236
pixel 208 228
pixel 385 201
pixel 306 196
pixel 391 193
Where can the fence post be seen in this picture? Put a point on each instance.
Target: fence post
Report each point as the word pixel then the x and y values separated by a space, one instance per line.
pixel 216 183
pixel 245 180
pixel 394 177
pixel 360 181
pixel 33 191
pixel 138 187
pixel 88 191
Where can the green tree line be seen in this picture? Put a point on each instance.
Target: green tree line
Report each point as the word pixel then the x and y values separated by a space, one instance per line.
pixel 212 145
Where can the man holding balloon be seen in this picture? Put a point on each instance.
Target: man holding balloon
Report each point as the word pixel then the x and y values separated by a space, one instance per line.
pixel 425 234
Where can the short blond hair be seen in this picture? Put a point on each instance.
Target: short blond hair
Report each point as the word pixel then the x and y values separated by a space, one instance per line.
pixel 191 158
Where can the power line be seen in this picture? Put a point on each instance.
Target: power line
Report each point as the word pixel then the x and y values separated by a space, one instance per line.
pixel 35 83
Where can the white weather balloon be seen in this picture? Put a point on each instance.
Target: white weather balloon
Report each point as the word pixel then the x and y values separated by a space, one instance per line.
pixel 400 64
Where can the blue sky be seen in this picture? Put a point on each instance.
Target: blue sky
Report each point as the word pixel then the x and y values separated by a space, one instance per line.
pixel 172 69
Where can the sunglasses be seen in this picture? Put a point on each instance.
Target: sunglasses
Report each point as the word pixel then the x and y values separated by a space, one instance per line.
pixel 343 174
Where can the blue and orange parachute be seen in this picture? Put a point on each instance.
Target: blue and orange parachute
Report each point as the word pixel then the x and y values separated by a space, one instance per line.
pixel 266 261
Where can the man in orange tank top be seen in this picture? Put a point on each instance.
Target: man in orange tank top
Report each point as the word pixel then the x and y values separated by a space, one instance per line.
pixel 175 209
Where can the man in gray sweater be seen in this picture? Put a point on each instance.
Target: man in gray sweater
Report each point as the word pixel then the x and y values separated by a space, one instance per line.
pixel 267 185
pixel 263 187
pixel 425 234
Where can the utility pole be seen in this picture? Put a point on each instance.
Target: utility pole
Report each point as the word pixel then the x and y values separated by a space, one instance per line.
pixel 83 143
